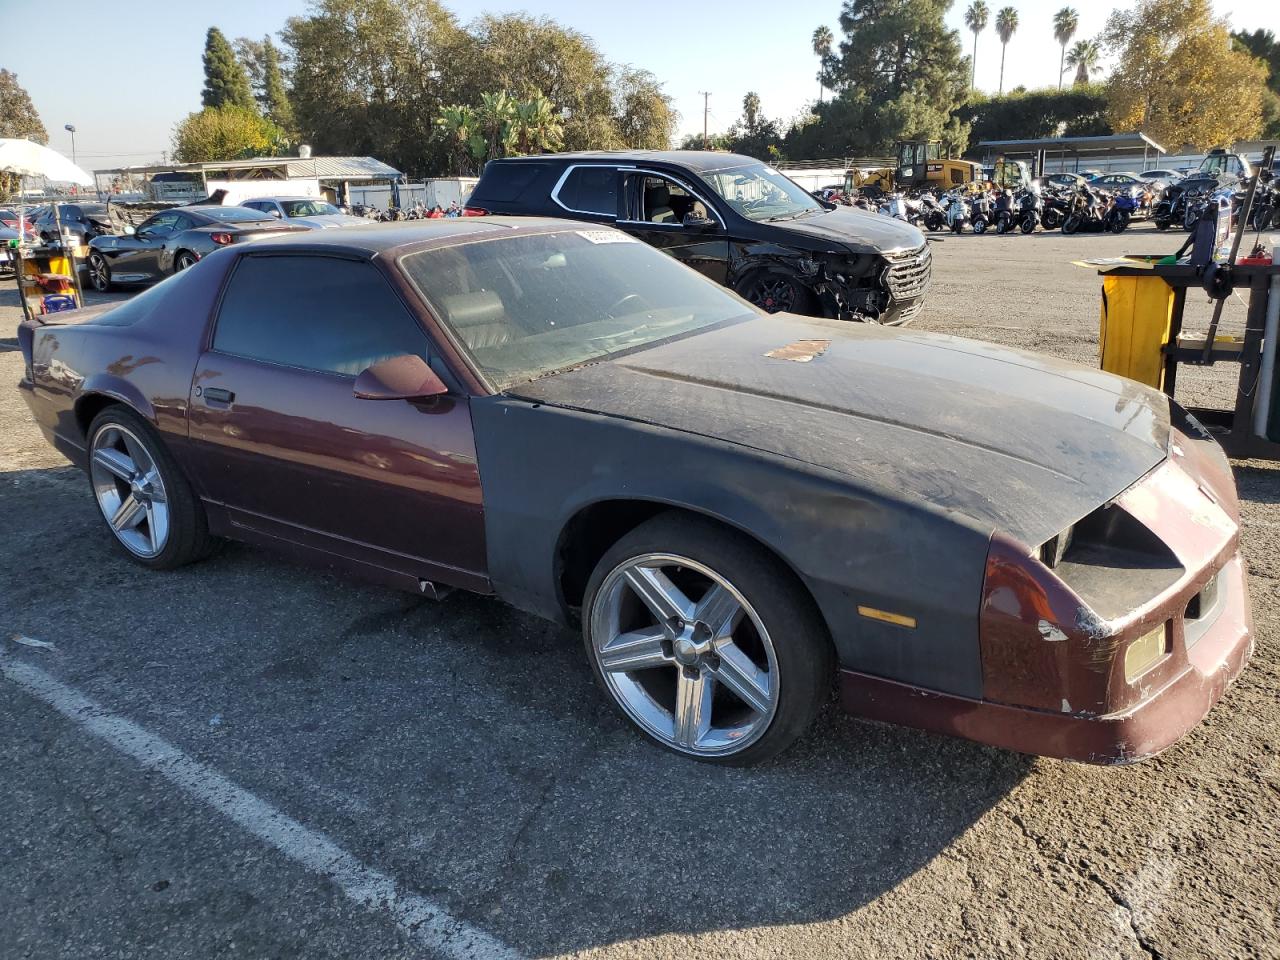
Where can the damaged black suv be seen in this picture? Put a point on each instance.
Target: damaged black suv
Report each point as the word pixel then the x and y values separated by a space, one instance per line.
pixel 732 218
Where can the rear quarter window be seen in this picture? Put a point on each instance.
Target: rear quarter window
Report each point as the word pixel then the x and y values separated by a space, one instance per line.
pixel 507 181
pixel 591 190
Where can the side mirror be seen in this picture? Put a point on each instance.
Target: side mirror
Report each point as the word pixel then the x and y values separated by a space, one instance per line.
pixel 406 377
pixel 129 230
pixel 694 222
pixel 277 214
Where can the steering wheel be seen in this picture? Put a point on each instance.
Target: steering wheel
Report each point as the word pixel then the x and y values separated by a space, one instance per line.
pixel 613 310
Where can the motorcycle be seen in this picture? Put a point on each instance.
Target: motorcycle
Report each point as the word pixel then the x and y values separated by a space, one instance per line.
pixel 958 212
pixel 1056 207
pixel 1004 212
pixel 1088 212
pixel 1031 210
pixel 981 212
pixel 1123 207
pixel 932 214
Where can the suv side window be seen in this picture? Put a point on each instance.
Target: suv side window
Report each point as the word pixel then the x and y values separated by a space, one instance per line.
pixel 656 199
pixel 317 313
pixel 590 189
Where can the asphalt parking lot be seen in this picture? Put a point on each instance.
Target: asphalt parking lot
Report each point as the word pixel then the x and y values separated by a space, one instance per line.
pixel 254 759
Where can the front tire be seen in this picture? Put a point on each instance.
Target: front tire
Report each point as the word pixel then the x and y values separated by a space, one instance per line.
pixel 149 507
pixel 1071 224
pixel 705 641
pixel 776 291
pixel 99 273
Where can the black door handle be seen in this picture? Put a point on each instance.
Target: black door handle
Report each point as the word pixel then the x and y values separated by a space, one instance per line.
pixel 218 395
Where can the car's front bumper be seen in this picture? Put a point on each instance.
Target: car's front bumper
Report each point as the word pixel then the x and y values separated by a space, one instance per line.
pixel 1141 730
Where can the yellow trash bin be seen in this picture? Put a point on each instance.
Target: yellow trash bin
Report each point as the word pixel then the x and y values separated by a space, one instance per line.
pixel 1137 314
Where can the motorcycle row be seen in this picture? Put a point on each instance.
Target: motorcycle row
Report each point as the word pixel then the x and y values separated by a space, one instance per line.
pixel 1037 205
pixel 1182 204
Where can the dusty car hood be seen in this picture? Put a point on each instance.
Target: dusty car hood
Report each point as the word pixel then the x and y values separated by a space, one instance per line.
pixel 859 230
pixel 1018 442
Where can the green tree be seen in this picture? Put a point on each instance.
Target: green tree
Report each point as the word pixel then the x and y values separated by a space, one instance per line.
pixel 975 18
pixel 19 120
pixel 232 132
pixel 642 113
pixel 1033 114
pixel 1086 57
pixel 369 77
pixel 261 62
pixel 1006 26
pixel 822 42
pixel 1263 45
pixel 461 126
pixel 1065 23
pixel 1177 78
pixel 900 73
pixel 225 82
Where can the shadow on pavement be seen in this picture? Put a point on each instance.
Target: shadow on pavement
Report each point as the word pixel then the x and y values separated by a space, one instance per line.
pixel 463 747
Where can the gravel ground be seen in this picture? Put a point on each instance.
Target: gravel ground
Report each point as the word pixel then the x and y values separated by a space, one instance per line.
pixel 460 750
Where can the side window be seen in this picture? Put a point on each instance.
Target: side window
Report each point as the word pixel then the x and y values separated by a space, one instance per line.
pixel 591 190
pixel 660 200
pixel 160 225
pixel 318 313
pixel 254 205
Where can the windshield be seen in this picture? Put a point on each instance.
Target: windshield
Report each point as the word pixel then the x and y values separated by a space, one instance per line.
pixel 308 208
pixel 526 306
pixel 231 214
pixel 762 193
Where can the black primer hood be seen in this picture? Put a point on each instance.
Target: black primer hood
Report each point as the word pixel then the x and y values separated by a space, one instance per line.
pixel 1014 441
pixel 857 230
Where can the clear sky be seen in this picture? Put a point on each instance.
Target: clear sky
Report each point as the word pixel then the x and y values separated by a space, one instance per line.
pixel 127 72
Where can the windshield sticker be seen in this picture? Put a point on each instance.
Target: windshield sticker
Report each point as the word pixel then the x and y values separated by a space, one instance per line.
pixel 801 351
pixel 605 236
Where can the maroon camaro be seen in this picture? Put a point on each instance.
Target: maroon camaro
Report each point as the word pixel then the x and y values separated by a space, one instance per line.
pixel 739 509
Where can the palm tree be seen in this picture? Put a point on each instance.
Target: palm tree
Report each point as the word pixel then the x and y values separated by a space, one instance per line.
pixel 1006 24
pixel 822 41
pixel 1065 23
pixel 460 126
pixel 535 126
pixel 1084 56
pixel 975 18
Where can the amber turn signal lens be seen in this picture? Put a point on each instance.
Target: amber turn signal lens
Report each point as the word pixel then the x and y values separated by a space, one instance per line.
pixel 1143 653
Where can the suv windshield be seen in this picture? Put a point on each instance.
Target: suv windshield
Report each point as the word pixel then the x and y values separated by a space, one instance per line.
pixel 309 208
pixel 530 305
pixel 761 193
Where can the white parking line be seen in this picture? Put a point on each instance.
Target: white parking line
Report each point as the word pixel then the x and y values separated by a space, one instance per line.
pixel 426 922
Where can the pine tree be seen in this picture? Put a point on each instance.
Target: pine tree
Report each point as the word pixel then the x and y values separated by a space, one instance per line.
pixel 225 81
pixel 900 74
pixel 275 101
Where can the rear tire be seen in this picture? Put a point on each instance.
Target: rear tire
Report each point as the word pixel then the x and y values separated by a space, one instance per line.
pixel 153 515
pixel 183 260
pixel 734 693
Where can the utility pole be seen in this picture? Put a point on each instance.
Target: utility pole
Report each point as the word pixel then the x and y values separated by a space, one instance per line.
pixel 705 110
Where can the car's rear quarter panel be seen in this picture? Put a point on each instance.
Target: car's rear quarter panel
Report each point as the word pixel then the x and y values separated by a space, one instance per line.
pixel 81 361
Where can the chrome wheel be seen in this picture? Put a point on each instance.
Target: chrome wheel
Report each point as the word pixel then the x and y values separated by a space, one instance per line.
pixel 684 654
pixel 184 261
pixel 130 490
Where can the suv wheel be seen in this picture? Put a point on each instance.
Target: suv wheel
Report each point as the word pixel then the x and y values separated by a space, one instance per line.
pixel 776 291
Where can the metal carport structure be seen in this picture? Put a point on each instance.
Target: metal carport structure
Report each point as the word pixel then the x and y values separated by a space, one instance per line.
pixel 1070 152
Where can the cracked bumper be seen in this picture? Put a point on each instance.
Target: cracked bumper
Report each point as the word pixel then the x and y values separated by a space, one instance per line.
pixel 1139 732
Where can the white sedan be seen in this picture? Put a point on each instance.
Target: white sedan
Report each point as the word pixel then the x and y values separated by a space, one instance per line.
pixel 304 212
